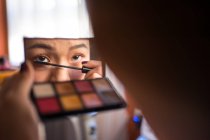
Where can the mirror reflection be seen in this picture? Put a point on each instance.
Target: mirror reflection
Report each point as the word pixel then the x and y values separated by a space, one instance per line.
pixel 61 59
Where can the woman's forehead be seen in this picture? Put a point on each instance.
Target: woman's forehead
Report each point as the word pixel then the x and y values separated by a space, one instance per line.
pixel 56 42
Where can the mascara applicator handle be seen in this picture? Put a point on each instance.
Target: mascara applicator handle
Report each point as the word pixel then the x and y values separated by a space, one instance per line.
pixel 85 69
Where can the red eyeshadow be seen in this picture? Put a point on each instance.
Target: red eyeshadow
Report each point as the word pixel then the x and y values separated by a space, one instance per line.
pixel 83 86
pixel 48 105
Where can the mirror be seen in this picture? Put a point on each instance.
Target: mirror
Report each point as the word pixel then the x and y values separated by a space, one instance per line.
pixel 60 59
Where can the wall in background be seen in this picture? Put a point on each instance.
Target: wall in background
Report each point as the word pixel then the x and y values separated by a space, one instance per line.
pixel 44 18
pixel 3 29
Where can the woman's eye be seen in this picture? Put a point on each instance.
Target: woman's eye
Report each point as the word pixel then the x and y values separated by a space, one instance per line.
pixel 77 58
pixel 42 59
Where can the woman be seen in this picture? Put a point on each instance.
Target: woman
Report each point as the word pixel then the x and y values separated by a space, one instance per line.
pixel 62 52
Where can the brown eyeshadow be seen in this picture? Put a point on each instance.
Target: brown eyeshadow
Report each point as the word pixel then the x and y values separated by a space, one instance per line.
pixel 64 88
pixel 110 97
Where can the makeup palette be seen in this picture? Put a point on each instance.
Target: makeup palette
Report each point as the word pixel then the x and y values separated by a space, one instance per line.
pixel 59 99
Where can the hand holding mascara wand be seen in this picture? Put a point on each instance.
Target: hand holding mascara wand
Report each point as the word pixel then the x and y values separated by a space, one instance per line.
pixel 83 69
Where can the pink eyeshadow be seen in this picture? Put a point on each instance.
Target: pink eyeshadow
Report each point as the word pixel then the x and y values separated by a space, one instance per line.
pixel 83 86
pixel 48 105
pixel 101 85
pixel 91 100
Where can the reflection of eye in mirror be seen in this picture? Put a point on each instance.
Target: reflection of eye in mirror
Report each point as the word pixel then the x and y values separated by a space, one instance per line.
pixel 53 59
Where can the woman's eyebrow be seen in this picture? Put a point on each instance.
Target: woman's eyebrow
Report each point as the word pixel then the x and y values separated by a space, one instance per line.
pixel 78 46
pixel 41 46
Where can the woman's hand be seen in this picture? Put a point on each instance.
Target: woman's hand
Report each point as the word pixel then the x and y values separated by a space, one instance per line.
pixel 18 119
pixel 97 70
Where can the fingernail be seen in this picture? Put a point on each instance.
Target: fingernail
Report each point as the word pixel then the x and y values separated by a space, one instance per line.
pixel 84 62
pixel 23 67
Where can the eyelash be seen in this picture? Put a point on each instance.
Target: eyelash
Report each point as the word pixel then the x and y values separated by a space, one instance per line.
pixel 41 56
pixel 77 55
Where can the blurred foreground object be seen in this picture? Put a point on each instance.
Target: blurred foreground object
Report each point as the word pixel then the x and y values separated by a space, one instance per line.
pixel 6 70
pixel 160 52
pixel 4 63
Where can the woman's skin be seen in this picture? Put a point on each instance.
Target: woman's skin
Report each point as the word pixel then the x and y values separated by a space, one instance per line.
pixel 67 52
pixel 160 51
pixel 18 119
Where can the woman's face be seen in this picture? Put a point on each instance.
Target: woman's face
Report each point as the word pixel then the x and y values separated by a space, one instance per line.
pixel 68 52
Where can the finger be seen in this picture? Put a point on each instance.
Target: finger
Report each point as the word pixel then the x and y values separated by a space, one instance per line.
pixel 92 63
pixel 25 78
pixel 95 70
pixel 96 65
pixel 94 73
pixel 93 76
pixel 19 84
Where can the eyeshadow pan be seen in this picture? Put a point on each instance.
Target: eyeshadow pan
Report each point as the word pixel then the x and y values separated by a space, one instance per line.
pixel 101 85
pixel 43 90
pixel 64 88
pixel 48 105
pixel 83 86
pixel 91 100
pixel 71 102
pixel 58 99
pixel 110 98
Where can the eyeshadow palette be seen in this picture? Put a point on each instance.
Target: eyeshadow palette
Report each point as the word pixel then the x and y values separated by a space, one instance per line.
pixel 59 99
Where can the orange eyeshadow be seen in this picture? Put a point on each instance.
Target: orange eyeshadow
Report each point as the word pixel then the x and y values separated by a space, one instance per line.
pixel 64 88
pixel 71 102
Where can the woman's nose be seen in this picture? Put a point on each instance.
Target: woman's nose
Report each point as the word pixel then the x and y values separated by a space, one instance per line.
pixel 60 74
